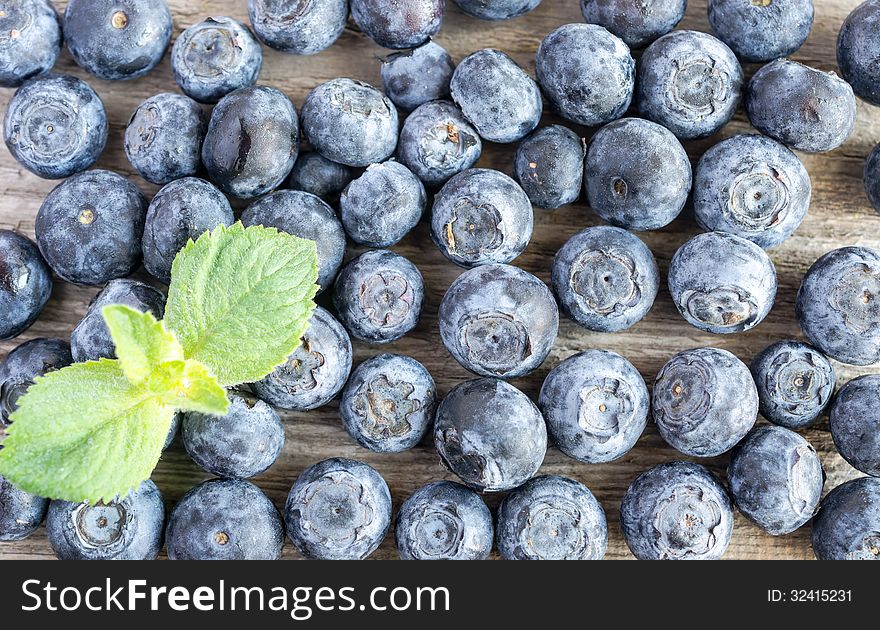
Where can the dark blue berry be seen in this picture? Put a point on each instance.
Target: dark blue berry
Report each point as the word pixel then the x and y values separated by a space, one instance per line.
pixel 183 210
pixel 20 512
pixel 381 206
pixel 481 217
pixel 858 51
pixel 847 526
pixel 23 364
pixel 298 27
pixel 499 321
pixel 689 82
pixel 378 296
pixel 552 518
pixel 117 39
pixel 315 372
pixel 252 141
pixel 125 529
pixel 163 140
pixel 704 402
pixel 802 107
pixel 350 122
pixel 215 57
pixel 315 174
pixel 55 126
pixel 437 142
pixel 31 40
pixel 550 166
pixel 638 176
pixel 596 405
pixel 497 9
pixel 586 73
pixel 25 284
pixel 304 215
pixel 872 178
pixel 338 509
pixel 388 404
pixel 761 31
pixel 636 22
pixel 722 283
pixel 444 521
pixel 90 227
pixel 91 340
pixel 490 434
pixel 417 76
pixel 399 25
pixel 242 444
pixel 855 425
pixel 228 519
pixel 677 511
pixel 496 96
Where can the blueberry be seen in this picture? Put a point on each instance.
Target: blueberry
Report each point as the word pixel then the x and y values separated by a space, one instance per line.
pixel 20 512
pixel 163 140
pixel 381 206
pixel 490 434
pixel 415 77
pixel 298 27
pixel 759 31
pixel 315 174
pixel 22 365
pixel 55 126
pixel 126 529
pixel 637 22
pixel 120 39
pixel 481 217
pixel 596 405
pixel 90 340
pixel 497 9
pixel 90 227
pixel 638 176
pixel 550 166
pixel 252 141
pixel 242 444
pixel 802 107
pixel 378 296
pixel 436 142
pixel 858 51
pixel 872 178
pixel 338 509
pixel 677 511
pixel 722 283
pixel 388 404
pixel 855 425
pixel 501 101
pixel 499 321
pixel 704 402
pixel 25 283
pixel 444 521
pixel 399 25
pixel 552 518
pixel 606 279
pixel 689 82
pixel 315 372
pixel 172 431
pixel 215 57
pixel 350 122
pixel 795 383
pixel 776 479
pixel 838 305
pixel 306 216
pixel 587 73
pixel 753 187
pixel 33 43
pixel 847 526
pixel 228 519
pixel 183 210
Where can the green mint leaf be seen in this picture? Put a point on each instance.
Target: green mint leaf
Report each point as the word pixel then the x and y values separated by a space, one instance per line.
pixel 142 343
pixel 191 387
pixel 85 433
pixel 240 300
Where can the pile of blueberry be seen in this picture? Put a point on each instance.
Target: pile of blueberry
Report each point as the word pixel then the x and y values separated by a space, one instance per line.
pixel 378 160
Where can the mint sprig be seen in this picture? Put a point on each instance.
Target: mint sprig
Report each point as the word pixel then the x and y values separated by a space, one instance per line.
pixel 239 301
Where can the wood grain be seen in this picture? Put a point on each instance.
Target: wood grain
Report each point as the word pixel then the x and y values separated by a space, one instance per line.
pixel 840 215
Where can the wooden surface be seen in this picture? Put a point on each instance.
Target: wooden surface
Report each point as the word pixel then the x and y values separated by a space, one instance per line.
pixel 840 215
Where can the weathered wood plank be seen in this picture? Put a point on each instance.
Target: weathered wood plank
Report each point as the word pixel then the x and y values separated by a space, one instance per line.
pixel 840 216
